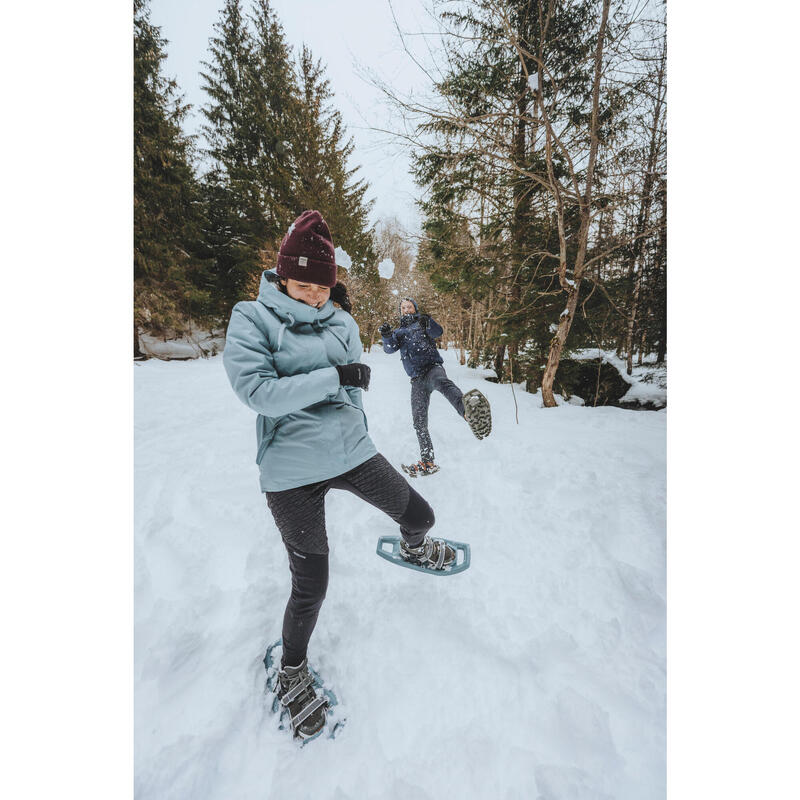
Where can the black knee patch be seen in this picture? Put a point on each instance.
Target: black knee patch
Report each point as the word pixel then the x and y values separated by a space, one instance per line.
pixel 418 518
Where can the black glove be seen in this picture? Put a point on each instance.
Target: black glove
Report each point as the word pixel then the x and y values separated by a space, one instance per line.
pixel 339 295
pixel 424 319
pixel 354 375
pixel 385 329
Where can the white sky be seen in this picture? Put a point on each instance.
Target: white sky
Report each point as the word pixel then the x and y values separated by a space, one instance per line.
pixel 350 36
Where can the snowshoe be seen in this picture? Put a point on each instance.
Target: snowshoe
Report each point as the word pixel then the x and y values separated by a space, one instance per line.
pixel 420 468
pixel 434 556
pixel 296 701
pixel 478 413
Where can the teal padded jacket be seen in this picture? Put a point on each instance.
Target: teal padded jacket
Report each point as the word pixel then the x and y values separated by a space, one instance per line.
pixel 280 356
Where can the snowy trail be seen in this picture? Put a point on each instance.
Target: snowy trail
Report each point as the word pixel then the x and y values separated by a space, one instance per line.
pixel 538 673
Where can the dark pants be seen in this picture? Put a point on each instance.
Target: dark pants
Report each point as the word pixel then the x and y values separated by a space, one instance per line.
pixel 435 379
pixel 300 516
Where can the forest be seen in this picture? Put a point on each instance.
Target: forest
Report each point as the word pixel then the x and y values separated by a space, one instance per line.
pixel 539 155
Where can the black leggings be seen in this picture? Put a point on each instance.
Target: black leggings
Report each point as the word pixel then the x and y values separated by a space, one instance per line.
pixel 300 516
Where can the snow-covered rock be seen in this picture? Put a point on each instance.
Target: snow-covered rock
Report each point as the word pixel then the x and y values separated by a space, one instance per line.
pixel 648 381
pixel 196 344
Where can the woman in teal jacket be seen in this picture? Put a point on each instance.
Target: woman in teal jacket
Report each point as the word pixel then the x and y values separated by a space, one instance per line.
pixel 293 358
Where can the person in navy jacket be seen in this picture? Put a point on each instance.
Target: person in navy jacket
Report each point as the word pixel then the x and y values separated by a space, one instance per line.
pixel 414 338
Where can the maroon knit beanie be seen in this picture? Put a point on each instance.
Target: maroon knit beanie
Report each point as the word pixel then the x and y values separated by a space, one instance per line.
pixel 306 252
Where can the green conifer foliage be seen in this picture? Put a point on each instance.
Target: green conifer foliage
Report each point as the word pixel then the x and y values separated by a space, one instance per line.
pixel 276 147
pixel 171 282
pixel 238 215
pixel 323 179
pixel 491 197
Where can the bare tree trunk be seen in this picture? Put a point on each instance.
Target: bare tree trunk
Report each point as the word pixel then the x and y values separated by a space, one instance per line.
pixel 462 359
pixel 637 288
pixel 499 359
pixel 470 332
pixel 572 287
pixel 644 212
pixel 137 353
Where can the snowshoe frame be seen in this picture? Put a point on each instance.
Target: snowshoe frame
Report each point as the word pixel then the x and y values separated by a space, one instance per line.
pixel 389 548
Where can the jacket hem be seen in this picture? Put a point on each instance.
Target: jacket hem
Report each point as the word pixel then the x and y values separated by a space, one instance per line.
pixel 281 486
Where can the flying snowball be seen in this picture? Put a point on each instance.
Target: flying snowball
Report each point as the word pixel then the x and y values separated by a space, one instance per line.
pixel 386 268
pixel 342 258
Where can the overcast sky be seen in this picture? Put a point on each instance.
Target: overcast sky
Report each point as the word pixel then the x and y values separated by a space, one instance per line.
pixel 350 36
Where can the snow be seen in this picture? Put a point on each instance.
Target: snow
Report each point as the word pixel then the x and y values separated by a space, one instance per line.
pixel 648 382
pixel 386 268
pixel 533 82
pixel 342 258
pixel 395 292
pixel 537 673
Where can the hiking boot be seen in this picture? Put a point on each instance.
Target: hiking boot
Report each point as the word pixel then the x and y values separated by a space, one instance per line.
pixel 431 554
pixel 295 690
pixel 478 413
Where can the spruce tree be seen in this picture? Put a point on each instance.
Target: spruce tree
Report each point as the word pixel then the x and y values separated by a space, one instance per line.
pixel 171 282
pixel 238 218
pixel 275 97
pixel 323 179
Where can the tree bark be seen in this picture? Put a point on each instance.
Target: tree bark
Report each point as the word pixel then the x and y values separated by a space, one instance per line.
pixel 572 287
pixel 499 359
pixel 137 353
pixel 637 257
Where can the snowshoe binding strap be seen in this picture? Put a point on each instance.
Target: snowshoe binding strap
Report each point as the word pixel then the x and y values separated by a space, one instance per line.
pixel 432 553
pixel 307 710
pixel 296 690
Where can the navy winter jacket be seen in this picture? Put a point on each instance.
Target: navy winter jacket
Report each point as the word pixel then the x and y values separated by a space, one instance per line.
pixel 417 349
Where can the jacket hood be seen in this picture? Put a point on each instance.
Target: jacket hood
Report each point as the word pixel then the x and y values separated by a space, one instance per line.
pixel 291 312
pixel 410 300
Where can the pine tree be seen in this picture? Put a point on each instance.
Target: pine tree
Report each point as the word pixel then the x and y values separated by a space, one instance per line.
pixel 171 283
pixel 321 153
pixel 275 97
pixel 238 217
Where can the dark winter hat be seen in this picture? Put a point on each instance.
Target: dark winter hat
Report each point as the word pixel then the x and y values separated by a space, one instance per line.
pixel 306 252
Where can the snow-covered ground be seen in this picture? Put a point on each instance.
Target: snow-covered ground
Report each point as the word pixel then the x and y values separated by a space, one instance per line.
pixel 537 673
